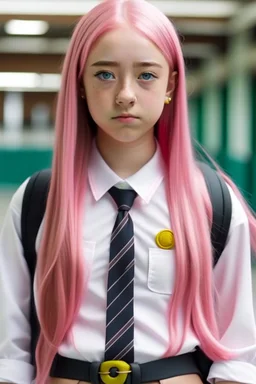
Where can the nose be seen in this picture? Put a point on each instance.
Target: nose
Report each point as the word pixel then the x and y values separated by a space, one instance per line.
pixel 126 97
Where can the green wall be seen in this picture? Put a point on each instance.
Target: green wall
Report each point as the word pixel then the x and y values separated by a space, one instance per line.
pixel 16 164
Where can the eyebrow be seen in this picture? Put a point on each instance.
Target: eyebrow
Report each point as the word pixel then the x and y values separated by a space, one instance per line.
pixel 105 63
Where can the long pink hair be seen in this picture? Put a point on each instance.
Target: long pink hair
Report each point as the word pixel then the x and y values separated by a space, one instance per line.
pixel 61 270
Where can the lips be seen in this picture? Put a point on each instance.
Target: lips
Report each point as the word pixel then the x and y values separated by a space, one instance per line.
pixel 125 117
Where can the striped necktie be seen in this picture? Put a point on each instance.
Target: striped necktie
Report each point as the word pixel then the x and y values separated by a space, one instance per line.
pixel 119 319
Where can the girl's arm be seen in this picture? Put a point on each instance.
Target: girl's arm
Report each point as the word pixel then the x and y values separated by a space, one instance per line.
pixel 234 304
pixel 15 366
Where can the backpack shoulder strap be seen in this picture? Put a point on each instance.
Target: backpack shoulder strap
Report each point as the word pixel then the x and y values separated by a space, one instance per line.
pixel 221 206
pixel 33 208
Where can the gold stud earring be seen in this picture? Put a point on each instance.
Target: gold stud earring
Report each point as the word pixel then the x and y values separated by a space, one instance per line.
pixel 168 100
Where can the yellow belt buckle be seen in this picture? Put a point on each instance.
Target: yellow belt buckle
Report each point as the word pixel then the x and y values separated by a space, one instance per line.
pixel 114 371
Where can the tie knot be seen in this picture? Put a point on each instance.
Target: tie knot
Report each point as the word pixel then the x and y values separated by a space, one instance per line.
pixel 124 198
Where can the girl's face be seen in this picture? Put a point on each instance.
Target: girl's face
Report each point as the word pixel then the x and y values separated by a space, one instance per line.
pixel 126 80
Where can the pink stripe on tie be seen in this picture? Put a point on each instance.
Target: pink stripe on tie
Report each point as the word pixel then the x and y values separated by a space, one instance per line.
pixel 120 312
pixel 120 226
pixel 126 270
pixel 119 334
pixel 121 253
pixel 124 351
pixel 120 293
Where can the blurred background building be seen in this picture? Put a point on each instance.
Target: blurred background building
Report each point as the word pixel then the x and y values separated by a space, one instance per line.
pixel 219 44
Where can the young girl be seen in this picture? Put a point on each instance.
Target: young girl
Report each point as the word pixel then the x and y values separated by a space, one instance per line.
pixel 124 268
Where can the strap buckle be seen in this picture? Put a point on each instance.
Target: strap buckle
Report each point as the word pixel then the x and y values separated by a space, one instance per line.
pixel 114 371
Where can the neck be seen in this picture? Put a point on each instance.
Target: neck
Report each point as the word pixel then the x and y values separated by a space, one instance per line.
pixel 125 159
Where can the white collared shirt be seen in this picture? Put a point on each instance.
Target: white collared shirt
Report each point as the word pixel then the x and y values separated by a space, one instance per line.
pixel 153 284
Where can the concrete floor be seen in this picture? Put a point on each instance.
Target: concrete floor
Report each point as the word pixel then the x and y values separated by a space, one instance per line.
pixel 5 196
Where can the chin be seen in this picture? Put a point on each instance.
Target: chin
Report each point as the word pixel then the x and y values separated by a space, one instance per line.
pixel 127 139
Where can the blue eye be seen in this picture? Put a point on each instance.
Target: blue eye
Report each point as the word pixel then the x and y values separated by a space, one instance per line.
pixel 147 76
pixel 104 75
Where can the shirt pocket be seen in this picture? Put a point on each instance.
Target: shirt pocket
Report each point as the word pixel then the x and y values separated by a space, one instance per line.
pixel 161 271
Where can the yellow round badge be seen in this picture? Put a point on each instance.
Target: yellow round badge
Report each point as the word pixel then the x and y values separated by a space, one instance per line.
pixel 165 239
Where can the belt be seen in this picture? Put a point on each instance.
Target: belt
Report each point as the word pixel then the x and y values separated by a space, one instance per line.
pixel 120 372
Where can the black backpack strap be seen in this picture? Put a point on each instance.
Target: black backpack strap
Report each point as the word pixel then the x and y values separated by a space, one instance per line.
pixel 221 206
pixel 33 208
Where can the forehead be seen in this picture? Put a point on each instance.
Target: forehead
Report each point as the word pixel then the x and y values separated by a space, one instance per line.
pixel 125 45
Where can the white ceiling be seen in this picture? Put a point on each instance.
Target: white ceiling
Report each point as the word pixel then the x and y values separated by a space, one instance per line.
pixel 187 8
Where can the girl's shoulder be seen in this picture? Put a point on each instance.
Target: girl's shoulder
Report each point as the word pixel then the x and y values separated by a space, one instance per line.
pixel 17 198
pixel 239 215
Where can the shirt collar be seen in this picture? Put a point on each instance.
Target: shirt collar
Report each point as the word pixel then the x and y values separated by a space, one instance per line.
pixel 145 182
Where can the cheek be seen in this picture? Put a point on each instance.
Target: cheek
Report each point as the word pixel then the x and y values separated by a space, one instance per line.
pixel 155 94
pixel 153 103
pixel 97 100
pixel 92 93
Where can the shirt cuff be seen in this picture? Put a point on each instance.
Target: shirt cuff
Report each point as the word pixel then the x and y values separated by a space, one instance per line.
pixel 237 371
pixel 15 371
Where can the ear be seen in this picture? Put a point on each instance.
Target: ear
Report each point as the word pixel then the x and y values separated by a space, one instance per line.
pixel 172 84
